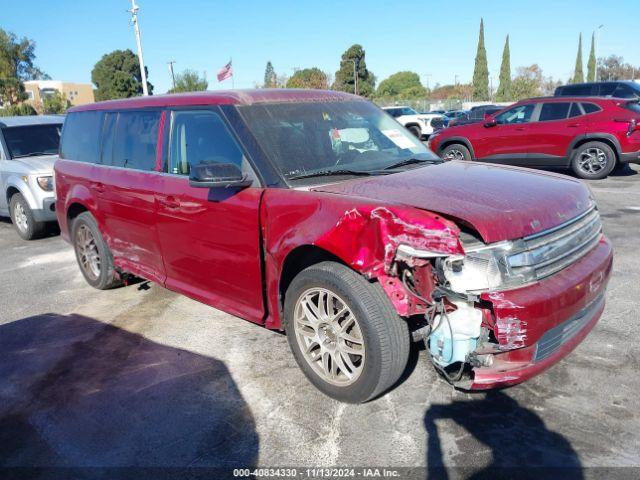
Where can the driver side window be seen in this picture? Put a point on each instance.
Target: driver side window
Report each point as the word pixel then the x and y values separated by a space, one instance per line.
pixel 519 114
pixel 200 136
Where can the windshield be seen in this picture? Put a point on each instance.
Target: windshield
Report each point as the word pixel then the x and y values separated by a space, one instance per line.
pixel 315 139
pixel 32 140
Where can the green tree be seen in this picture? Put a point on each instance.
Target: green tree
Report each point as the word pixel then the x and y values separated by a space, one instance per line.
pixel 481 70
pixel 189 81
pixel 308 78
pixel 402 86
pixel 344 79
pixel 578 75
pixel 504 89
pixel 270 77
pixel 55 103
pixel 527 83
pixel 591 64
pixel 117 75
pixel 17 110
pixel 615 68
pixel 17 56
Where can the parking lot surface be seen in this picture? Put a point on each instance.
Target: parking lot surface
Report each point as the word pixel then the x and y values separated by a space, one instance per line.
pixel 142 376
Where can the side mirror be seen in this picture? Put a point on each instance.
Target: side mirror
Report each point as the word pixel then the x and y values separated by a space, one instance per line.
pixel 491 122
pixel 212 175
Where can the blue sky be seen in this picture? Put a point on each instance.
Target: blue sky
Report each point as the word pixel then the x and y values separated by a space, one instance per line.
pixel 435 38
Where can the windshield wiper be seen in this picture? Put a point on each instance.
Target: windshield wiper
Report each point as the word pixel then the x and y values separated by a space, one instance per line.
pixel 32 154
pixel 411 161
pixel 327 173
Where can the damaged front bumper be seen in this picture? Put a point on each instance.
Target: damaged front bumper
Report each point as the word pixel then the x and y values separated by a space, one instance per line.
pixel 537 325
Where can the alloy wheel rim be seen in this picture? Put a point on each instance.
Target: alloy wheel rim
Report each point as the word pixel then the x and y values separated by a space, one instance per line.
pixel 20 217
pixel 454 154
pixel 592 161
pixel 88 254
pixel 329 336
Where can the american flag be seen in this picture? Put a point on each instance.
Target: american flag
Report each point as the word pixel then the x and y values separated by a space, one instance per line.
pixel 225 72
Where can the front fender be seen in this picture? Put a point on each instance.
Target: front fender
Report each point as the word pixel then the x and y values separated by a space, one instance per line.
pixel 17 181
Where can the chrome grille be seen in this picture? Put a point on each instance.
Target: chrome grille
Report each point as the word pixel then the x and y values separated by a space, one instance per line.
pixel 550 251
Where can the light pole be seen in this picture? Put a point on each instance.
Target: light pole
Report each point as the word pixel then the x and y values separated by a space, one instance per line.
pixel 136 29
pixel 427 75
pixel 173 77
pixel 597 46
pixel 355 76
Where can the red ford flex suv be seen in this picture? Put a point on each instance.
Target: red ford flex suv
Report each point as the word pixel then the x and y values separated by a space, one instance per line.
pixel 589 135
pixel 315 213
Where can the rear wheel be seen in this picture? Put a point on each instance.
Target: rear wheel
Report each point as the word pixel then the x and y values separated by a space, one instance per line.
pixel 455 151
pixel 94 257
pixel 415 129
pixel 24 221
pixel 344 333
pixel 593 160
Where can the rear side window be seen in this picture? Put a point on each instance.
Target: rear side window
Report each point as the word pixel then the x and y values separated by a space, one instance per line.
pixel 590 107
pixel 577 90
pixel 135 140
pixel 81 137
pixel 200 136
pixel 624 91
pixel 554 111
pixel 633 106
pixel 575 111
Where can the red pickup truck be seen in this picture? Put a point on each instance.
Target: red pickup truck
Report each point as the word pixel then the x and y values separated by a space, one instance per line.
pixel 316 213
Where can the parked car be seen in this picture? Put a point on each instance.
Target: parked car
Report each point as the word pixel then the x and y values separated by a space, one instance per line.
pixel 457 114
pixel 315 213
pixel 420 124
pixel 28 150
pixel 476 114
pixel 617 89
pixel 589 135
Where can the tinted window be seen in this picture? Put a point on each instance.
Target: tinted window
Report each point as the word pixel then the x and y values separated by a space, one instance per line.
pixel 575 111
pixel 200 136
pixel 554 111
pixel 394 112
pixel 607 89
pixel 578 90
pixel 624 91
pixel 519 114
pixel 590 107
pixel 408 111
pixel 32 140
pixel 135 140
pixel 81 136
pixel 633 106
pixel 108 133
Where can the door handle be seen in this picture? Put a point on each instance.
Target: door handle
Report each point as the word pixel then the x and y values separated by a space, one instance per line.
pixel 573 125
pixel 98 187
pixel 520 129
pixel 170 202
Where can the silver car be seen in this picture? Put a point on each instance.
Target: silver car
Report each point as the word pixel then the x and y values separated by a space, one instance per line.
pixel 28 150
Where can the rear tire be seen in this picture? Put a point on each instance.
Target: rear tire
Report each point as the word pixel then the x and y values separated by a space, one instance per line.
pixel 23 220
pixel 593 161
pixel 455 151
pixel 94 257
pixel 352 356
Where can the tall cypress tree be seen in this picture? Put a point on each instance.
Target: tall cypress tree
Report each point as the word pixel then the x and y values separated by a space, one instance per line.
pixel 504 89
pixel 481 70
pixel 270 80
pixel 578 75
pixel 591 64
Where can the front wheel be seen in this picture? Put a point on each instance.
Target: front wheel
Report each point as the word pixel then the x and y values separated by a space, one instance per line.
pixel 455 151
pixel 416 130
pixel 344 333
pixel 24 221
pixel 593 161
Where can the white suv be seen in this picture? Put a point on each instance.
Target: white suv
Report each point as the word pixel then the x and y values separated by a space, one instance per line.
pixel 418 123
pixel 28 150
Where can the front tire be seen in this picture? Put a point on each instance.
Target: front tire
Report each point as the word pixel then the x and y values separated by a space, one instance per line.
pixel 344 333
pixel 593 161
pixel 94 257
pixel 455 151
pixel 23 220
pixel 416 131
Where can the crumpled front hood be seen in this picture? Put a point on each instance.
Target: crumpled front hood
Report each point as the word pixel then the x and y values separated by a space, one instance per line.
pixel 39 164
pixel 501 203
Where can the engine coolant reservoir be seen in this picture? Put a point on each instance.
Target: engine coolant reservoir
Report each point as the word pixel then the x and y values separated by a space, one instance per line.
pixel 450 345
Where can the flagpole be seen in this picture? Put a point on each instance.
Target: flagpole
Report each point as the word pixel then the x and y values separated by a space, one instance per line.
pixel 232 75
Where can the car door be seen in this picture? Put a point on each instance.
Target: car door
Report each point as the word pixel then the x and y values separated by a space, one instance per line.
pixel 552 131
pixel 506 141
pixel 125 184
pixel 210 237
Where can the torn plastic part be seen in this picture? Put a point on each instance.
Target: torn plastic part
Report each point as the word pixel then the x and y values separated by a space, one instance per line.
pixel 455 334
pixel 511 333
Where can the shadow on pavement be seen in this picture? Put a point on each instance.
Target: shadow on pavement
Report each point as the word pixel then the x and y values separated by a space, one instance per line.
pixel 75 392
pixel 520 444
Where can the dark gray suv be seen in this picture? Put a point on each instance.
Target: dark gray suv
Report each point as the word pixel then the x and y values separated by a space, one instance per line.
pixel 617 89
